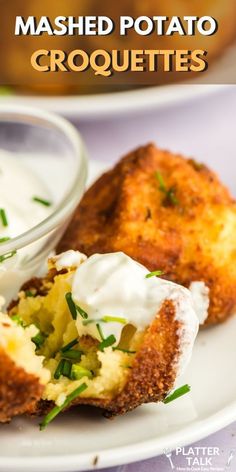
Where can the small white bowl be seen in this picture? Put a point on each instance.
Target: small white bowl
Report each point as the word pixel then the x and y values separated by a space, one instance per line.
pixel 53 150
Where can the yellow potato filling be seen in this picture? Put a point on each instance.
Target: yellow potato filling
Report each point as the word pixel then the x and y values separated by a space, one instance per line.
pixel 17 342
pixel 72 359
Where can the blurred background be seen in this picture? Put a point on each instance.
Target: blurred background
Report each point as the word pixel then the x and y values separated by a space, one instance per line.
pixel 18 76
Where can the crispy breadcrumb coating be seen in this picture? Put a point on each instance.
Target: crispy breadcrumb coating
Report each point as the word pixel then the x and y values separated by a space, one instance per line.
pixel 168 213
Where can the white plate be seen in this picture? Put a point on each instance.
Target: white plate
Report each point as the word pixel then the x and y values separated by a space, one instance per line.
pixel 79 439
pixel 102 105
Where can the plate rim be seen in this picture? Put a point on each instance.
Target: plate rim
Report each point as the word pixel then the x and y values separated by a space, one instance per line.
pixel 126 102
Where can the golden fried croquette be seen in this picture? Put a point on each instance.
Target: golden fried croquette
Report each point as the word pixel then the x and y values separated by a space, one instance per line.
pixel 142 368
pixel 168 213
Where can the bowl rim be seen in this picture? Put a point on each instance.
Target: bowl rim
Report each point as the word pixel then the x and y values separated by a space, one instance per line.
pixel 71 199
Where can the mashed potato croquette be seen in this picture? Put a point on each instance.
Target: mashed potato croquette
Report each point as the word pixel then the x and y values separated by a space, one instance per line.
pixel 55 364
pixel 166 212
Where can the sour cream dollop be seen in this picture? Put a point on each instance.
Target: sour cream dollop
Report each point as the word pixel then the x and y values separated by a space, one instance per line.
pixel 116 286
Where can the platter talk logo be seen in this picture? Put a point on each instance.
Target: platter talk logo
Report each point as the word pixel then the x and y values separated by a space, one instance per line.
pixel 200 459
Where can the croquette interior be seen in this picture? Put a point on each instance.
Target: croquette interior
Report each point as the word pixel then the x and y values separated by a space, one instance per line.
pixel 104 371
pixel 17 343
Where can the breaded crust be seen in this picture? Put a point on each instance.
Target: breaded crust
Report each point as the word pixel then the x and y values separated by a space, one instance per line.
pixel 153 372
pixel 191 239
pixel 19 391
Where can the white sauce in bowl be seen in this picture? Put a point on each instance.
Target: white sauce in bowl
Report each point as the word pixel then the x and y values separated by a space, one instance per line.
pixel 18 186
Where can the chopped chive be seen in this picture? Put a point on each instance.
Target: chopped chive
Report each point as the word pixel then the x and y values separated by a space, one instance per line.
pixel 3 217
pixel 59 369
pixel 162 185
pixel 156 273
pixel 18 320
pixel 3 240
pixel 71 305
pixel 106 319
pixel 74 308
pixel 57 409
pixel 66 370
pixel 100 331
pixel 73 354
pixel 177 393
pixel 87 322
pixel 107 342
pixel 82 313
pixel 7 256
pixel 38 340
pixel 170 197
pixel 29 294
pixel 78 372
pixel 127 351
pixel 42 201
pixel 69 345
pixel 115 319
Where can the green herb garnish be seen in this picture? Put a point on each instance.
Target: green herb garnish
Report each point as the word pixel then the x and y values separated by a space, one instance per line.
pixel 106 342
pixel 66 370
pixel 57 409
pixel 59 369
pixel 74 308
pixel 82 313
pixel 109 341
pixel 3 240
pixel 115 319
pixel 71 305
pixel 29 294
pixel 170 197
pixel 72 354
pixel 162 185
pixel 177 393
pixel 106 319
pixel 42 201
pixel 63 368
pixel 87 322
pixel 68 346
pixel 7 256
pixel 127 351
pixel 18 320
pixel 3 217
pixel 156 273
pixel 100 331
pixel 78 372
pixel 38 340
